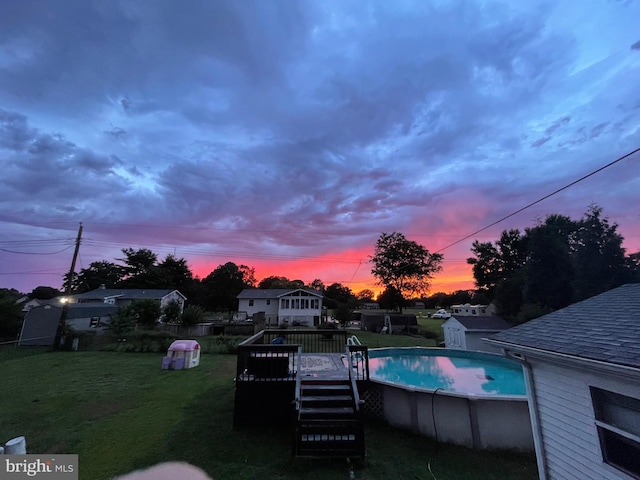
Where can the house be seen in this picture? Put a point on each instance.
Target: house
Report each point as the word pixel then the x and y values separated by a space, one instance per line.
pixel 89 316
pixel 124 296
pixel 28 303
pixel 582 369
pixel 300 306
pixel 370 306
pixel 466 332
pixel 471 310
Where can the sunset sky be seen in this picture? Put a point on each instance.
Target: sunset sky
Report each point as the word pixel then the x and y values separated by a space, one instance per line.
pixel 288 135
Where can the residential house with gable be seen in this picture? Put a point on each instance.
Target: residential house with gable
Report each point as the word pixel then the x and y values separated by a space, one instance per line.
pixel 300 306
pixel 124 296
pixel 582 370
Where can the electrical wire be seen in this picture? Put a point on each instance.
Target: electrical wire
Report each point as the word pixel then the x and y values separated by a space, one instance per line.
pixel 541 199
pixel 36 253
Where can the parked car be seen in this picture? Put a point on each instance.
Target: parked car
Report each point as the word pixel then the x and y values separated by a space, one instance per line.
pixel 442 313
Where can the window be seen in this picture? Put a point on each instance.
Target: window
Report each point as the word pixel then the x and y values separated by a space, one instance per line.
pixel 268 301
pixel 94 322
pixel 618 425
pixel 251 303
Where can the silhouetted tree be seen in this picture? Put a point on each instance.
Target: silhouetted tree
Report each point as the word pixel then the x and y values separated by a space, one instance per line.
pixel 404 265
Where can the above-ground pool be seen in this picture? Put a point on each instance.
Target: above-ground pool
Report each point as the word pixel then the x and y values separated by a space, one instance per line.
pixel 469 398
pixel 453 371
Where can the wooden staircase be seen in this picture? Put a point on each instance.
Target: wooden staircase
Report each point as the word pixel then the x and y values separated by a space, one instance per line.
pixel 328 423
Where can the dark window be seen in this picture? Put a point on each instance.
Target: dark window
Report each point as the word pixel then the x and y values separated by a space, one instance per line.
pixel 268 301
pixel 618 424
pixel 251 303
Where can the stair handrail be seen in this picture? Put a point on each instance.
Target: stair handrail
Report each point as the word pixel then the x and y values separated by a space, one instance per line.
pixel 353 340
pixel 354 385
pixel 298 393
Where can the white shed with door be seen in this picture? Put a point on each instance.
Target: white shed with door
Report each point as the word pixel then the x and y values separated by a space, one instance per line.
pixel 466 333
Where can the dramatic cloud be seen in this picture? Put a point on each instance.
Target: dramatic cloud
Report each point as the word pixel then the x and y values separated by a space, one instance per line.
pixel 288 135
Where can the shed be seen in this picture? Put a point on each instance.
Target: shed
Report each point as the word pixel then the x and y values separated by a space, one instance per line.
pixel 182 354
pixel 466 333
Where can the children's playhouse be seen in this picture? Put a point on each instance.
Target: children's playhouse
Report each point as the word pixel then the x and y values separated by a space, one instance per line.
pixel 182 354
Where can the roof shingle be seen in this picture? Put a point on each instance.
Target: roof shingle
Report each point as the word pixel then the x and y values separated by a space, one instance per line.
pixel 605 327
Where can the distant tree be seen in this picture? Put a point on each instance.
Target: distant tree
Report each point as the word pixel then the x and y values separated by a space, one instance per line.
pixel 599 261
pixel 365 295
pixel 549 269
pixel 317 285
pixel 123 321
pixel 45 293
pixel 140 270
pixel 224 284
pixel 171 312
pixel 147 312
pixel 336 294
pixel 192 315
pixel 404 265
pixel 174 272
pixel 391 299
pixel 96 274
pixel 10 313
pixel 343 313
pixel 280 282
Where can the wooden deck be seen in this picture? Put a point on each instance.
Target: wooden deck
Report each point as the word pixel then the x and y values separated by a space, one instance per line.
pixel 311 382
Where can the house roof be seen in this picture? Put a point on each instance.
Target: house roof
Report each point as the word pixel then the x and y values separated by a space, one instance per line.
pixel 255 293
pixel 482 323
pixel 124 293
pixel 604 328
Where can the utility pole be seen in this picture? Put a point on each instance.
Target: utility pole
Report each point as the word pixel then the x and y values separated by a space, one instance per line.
pixel 73 262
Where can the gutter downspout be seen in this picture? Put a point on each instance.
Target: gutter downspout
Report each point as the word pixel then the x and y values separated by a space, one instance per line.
pixel 538 444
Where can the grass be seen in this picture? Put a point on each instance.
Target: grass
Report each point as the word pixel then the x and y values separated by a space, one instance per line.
pixel 119 412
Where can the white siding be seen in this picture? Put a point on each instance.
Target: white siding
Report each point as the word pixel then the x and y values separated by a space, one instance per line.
pixel 567 420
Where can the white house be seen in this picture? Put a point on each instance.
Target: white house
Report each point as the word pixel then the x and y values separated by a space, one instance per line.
pixel 301 306
pixel 466 332
pixel 582 368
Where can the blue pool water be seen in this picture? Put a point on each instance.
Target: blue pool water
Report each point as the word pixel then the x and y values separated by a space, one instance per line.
pixel 450 370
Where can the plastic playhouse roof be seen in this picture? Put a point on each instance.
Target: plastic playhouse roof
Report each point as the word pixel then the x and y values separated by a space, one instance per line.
pixel 184 345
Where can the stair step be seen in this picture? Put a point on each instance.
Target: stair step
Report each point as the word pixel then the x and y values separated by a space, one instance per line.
pixel 325 389
pixel 329 412
pixel 327 398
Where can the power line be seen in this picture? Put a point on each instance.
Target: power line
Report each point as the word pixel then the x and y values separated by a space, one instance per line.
pixel 540 199
pixel 35 253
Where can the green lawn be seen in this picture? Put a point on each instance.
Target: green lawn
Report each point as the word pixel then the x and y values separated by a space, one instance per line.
pixel 120 411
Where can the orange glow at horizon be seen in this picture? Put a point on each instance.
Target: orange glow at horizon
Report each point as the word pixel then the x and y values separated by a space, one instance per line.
pixel 350 268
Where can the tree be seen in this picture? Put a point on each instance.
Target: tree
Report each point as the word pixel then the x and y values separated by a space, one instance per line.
pixel 391 299
pixel 44 293
pixel 225 283
pixel 317 285
pixel 10 313
pixel 98 273
pixel 147 312
pixel 279 282
pixel 336 294
pixel 192 315
pixel 123 321
pixel 140 269
pixel 365 295
pixel 174 272
pixel 171 312
pixel 404 265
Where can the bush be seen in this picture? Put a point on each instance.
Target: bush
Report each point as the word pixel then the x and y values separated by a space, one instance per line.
pixel 144 341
